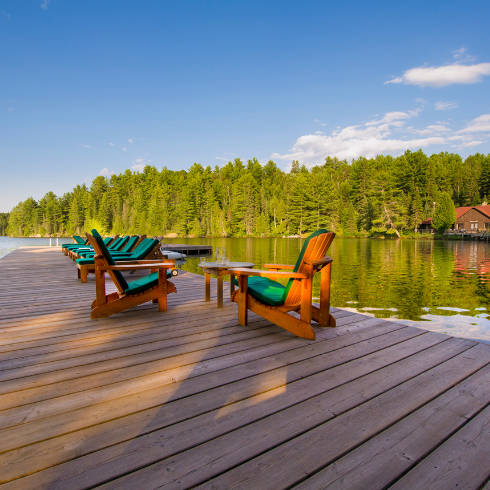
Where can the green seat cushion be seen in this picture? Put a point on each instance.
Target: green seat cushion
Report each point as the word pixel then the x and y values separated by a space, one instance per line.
pixel 144 249
pixel 85 261
pixel 300 259
pixel 265 290
pixel 143 283
pixel 109 259
pixel 131 243
pixel 78 239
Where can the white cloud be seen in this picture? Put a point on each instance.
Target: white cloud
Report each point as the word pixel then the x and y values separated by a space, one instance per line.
pixel 10 109
pixel 441 76
pixel 45 3
pixel 388 134
pixel 479 125
pixel 445 106
pixel 139 167
pixel 112 144
pixel 140 164
pixel 85 146
pixel 432 129
pixel 319 132
pixel 105 172
pixel 124 149
pixel 130 140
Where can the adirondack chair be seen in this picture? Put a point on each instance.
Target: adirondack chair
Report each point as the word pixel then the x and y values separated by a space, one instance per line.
pixel 78 241
pixel 73 250
pixel 153 287
pixel 258 292
pixel 148 249
pixel 131 244
pixel 115 246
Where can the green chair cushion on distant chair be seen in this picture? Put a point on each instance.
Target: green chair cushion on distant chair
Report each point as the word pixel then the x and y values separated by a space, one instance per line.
pixel 79 240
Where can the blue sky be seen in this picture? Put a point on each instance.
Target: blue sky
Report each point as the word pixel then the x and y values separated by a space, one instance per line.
pixel 93 87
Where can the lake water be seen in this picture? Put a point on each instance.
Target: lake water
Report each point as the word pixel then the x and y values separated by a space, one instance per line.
pixel 443 286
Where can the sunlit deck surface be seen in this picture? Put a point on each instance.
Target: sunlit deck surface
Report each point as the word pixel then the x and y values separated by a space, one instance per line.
pixel 188 398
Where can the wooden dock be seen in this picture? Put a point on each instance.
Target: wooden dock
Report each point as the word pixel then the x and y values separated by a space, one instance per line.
pixel 188 249
pixel 187 398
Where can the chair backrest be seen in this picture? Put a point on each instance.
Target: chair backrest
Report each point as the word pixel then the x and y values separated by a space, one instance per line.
pixel 118 243
pixel 144 248
pixel 79 239
pixel 314 248
pixel 131 243
pixel 101 249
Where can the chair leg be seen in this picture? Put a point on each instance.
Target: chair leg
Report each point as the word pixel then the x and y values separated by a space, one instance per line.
pixel 306 298
pixel 242 300
pixel 83 273
pixel 162 290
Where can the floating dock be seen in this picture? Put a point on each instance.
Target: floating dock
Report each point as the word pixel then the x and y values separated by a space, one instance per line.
pixel 188 249
pixel 188 398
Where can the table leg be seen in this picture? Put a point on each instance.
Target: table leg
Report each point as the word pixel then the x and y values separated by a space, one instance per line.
pixel 207 287
pixel 232 285
pixel 220 290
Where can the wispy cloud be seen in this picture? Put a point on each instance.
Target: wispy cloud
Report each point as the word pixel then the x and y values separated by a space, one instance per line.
pixel 140 164
pixel 85 146
pixel 44 4
pixel 441 76
pixel 130 140
pixel 105 172
pixel 10 109
pixel 479 125
pixel 445 106
pixel 388 134
pixel 112 144
pixel 124 149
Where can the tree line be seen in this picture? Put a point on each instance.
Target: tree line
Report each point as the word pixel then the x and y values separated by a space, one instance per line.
pixel 384 195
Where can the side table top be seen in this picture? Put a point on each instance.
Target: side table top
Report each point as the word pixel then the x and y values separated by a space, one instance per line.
pixel 215 265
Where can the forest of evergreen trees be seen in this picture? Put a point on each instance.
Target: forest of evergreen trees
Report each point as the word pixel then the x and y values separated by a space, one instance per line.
pixel 382 195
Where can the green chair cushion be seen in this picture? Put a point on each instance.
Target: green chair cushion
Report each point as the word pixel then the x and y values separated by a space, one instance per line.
pixel 144 249
pixel 265 290
pixel 131 243
pixel 85 261
pixel 110 260
pixel 143 283
pixel 300 259
pixel 78 239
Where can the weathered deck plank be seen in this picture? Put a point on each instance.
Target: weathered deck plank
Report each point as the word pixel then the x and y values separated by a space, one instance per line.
pixel 189 398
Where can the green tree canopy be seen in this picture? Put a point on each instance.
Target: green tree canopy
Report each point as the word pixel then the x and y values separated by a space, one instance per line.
pixel 445 214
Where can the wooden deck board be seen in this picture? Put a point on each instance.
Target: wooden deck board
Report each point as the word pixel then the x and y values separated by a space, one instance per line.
pixel 189 398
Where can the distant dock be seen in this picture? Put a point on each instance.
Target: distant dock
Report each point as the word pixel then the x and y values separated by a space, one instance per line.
pixel 188 249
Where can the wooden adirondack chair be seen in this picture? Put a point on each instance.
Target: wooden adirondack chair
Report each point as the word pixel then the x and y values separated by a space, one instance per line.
pixel 271 300
pixel 153 287
pixel 148 249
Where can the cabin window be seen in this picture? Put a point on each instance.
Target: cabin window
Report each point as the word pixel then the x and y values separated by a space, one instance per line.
pixel 487 226
pixel 474 225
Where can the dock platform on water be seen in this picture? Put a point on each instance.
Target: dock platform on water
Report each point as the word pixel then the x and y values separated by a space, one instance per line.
pixel 188 398
pixel 188 249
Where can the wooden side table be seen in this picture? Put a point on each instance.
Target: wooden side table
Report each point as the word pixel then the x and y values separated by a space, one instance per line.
pixel 220 270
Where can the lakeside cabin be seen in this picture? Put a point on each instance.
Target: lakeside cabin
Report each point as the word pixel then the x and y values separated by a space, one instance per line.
pixel 468 218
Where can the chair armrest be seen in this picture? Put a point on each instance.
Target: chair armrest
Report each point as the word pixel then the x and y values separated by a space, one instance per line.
pixel 259 273
pixel 324 261
pixel 149 262
pixel 137 267
pixel 278 266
